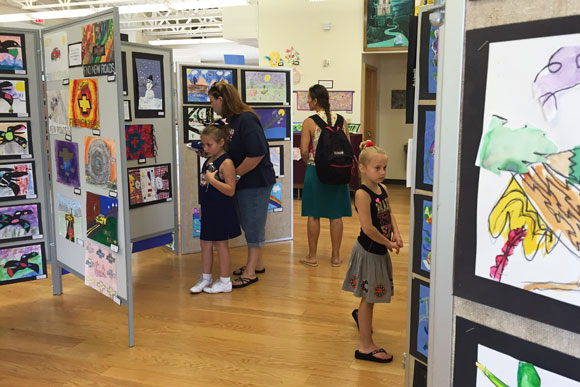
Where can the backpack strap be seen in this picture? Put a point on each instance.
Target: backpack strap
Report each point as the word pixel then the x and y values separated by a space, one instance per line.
pixel 319 121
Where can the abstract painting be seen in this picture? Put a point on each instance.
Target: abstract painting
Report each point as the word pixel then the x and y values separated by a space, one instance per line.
pixel 517 245
pixel 56 55
pixel 423 220
pixel 387 24
pixel 419 319
pixel 98 48
pixel 485 357
pixel 12 54
pixel 57 109
pixel 14 97
pixel 15 140
pixel 102 218
pixel 83 108
pixel 20 222
pixel 195 119
pixel 101 269
pixel 148 84
pixel 149 185
pixel 198 81
pixel 266 87
pixel 275 122
pixel 17 181
pixel 22 263
pixel 69 216
pixel 140 141
pixel 277 159
pixel 100 162
pixel 425 146
pixel 66 156
pixel 124 70
pixel 428 57
pixel 339 100
pixel 275 204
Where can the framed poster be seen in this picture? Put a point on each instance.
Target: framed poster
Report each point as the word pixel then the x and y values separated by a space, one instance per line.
pixel 194 120
pixel 124 73
pixel 266 87
pixel 386 24
pixel 66 157
pixel 18 222
pixel 425 145
pixel 419 319
pixel 15 140
pixel 277 159
pixel 275 122
pixel 197 81
pixel 14 97
pixel 149 185
pixel 428 57
pixel 148 85
pixel 423 220
pixel 13 53
pixel 22 263
pixel 516 245
pixel 488 357
pixel 17 181
pixel 140 141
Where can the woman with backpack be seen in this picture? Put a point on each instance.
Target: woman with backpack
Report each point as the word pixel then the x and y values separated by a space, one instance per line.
pixel 323 134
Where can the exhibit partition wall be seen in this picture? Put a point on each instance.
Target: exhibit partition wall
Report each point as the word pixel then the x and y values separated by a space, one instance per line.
pixel 268 92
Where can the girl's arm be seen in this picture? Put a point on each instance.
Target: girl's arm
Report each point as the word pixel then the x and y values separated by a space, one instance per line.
pixel 228 172
pixel 247 165
pixel 363 204
pixel 396 234
pixel 308 128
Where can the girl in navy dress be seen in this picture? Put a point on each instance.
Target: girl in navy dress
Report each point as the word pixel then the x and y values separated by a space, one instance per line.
pixel 219 219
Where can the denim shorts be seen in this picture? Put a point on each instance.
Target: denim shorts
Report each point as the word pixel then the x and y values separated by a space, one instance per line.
pixel 252 206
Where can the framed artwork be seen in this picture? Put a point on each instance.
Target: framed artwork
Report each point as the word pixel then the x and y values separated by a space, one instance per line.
pixel 277 159
pixel 69 218
pixel 419 319
pixel 124 73
pixel 102 218
pixel 425 146
pixel 66 156
pixel 194 120
pixel 197 82
pixel 140 141
pixel 428 57
pixel 101 269
pixel 100 162
pixel 275 122
pixel 419 374
pixel 19 222
pixel 57 106
pixel 127 110
pixel 353 128
pixel 22 263
pixel 275 204
pixel 423 220
pixel 488 357
pixel 56 55
pixel 149 185
pixel 13 53
pixel 75 54
pixel 15 140
pixel 98 48
pixel 326 83
pixel 398 99
pixel 386 24
pixel 83 107
pixel 516 247
pixel 14 97
pixel 148 85
pixel 296 127
pixel 266 87
pixel 339 100
pixel 17 181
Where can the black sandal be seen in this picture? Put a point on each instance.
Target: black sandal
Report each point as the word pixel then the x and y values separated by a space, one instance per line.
pixel 244 282
pixel 242 269
pixel 371 356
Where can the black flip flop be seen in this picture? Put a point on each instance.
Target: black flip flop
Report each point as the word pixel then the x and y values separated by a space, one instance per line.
pixel 242 269
pixel 355 317
pixel 371 357
pixel 245 282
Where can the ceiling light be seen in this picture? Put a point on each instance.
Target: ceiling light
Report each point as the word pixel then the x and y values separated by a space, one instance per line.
pixel 15 17
pixel 141 8
pixel 207 4
pixel 171 42
pixel 64 14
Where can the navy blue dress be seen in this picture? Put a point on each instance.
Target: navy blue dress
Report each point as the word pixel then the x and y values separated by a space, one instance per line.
pixel 219 218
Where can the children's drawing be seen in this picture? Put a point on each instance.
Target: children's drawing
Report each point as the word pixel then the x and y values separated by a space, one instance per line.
pixel 296 127
pixel 14 97
pixel 12 54
pixel 274 59
pixel 339 100
pixel 98 48
pixel 149 185
pixel 275 204
pixel 428 58
pixel 140 141
pixel 292 56
pixel 83 105
pixel 387 24
pixel 265 87
pixel 69 218
pixel 433 58
pixel 22 263
pixel 100 162
pixel 423 219
pixel 17 181
pixel 15 140
pixel 275 122
pixel 20 222
pixel 57 108
pixel 419 319
pixel 101 269
pixel 196 222
pixel 102 215
pixel 425 147
pixel 195 120
pixel 148 85
pixel 277 159
pixel 200 80
pixel 66 155
pixel 56 55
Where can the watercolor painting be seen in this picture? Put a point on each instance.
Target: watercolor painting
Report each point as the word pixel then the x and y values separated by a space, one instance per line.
pixel 102 218
pixel 101 269
pixel 269 87
pixel 387 24
pixel 339 100
pixel 423 220
pixel 428 58
pixel 12 54
pixel 56 55
pixel 66 155
pixel 419 319
pixel 277 159
pixel 140 141
pixel 275 122
pixel 425 146
pixel 149 185
pixel 100 162
pixel 69 218
pixel 83 108
pixel 20 222
pixel 22 263
pixel 14 97
pixel 17 181
pixel 148 84
pixel 198 81
pixel 275 204
pixel 195 119
pixel 57 109
pixel 15 140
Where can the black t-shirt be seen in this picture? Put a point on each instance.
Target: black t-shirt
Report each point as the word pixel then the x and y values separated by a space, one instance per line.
pixel 381 218
pixel 248 140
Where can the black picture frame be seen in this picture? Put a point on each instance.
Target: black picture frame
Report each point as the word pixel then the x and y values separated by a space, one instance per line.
pixel 418 217
pixel 420 161
pixel 468 335
pixel 162 200
pixel 34 183
pixel 265 72
pixel 29 142
pixel 22 50
pixel 137 70
pixel 424 49
pixel 419 374
pixel 205 101
pixel 268 115
pixel 124 73
pixel 27 96
pixel 200 161
pixel 416 322
pixel 39 219
pixel 30 278
pixel 80 63
pixel 127 109
pixel 189 132
pixel 466 284
pixel 281 152
pixel 411 66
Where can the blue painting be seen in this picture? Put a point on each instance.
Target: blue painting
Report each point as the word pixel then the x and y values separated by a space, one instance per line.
pixel 427 216
pixel 433 58
pixel 199 81
pixel 428 145
pixel 423 326
pixel 275 204
pixel 275 122
pixel 425 147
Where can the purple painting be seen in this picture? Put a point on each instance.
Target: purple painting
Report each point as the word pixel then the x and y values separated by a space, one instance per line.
pixel 66 156
pixel 19 222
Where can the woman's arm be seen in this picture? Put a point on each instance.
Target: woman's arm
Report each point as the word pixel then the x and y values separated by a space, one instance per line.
pixel 363 205
pixel 228 172
pixel 308 128
pixel 247 165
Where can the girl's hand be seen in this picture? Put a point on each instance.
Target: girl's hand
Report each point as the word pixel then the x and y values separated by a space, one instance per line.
pixel 392 246
pixel 210 176
pixel 398 240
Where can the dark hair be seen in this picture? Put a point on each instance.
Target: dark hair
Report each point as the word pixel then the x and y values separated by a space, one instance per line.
pixel 232 103
pixel 320 93
pixel 218 132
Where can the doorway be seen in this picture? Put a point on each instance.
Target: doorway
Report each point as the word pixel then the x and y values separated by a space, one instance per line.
pixel 369 97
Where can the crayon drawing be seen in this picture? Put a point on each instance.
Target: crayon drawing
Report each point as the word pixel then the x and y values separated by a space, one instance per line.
pixel 428 58
pixel 20 222
pixel 419 319
pixel 200 80
pixel 102 215
pixel 339 100
pixel 15 140
pixel 57 109
pixel 66 155
pixel 275 122
pixel 100 162
pixel 56 55
pixel 14 98
pixel 265 87
pixel 101 269
pixel 275 204
pixel 423 220
pixel 69 218
pixel 22 263
pixel 17 181
pixel 140 141
pixel 83 108
pixel 12 54
pixel 148 85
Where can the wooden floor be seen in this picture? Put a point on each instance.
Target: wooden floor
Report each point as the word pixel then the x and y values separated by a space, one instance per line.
pixel 292 328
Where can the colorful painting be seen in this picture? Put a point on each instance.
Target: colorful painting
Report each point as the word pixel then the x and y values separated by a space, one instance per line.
pixel 22 263
pixel 56 55
pixel 195 119
pixel 296 127
pixel 353 128
pixel 98 48
pixel 387 24
pixel 419 319
pixel 57 109
pixel 149 89
pixel 339 100
pixel 20 222
pixel 14 97
pixel 428 57
pixel 196 222
pixel 101 269
pixel 198 81
pixel 149 185
pixel 275 204
pixel 277 159
pixel 100 162
pixel 423 220
pixel 425 147
pixel 102 218
pixel 83 108
pixel 275 122
pixel 15 140
pixel 140 141
pixel 12 54
pixel 69 218
pixel 17 181
pixel 66 155
pixel 266 87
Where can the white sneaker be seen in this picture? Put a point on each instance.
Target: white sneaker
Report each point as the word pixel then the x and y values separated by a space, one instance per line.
pixel 200 285
pixel 219 287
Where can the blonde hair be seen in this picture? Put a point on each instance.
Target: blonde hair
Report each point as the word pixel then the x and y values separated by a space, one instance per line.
pixel 217 132
pixel 368 150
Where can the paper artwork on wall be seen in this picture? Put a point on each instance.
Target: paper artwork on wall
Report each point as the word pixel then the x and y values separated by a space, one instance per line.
pixel 198 81
pixel 98 48
pixel 339 100
pixel 69 218
pixel 22 263
pixel 423 220
pixel 57 105
pixel 275 122
pixel 102 218
pixel 419 319
pixel 387 24
pixel 274 59
pixel 140 141
pixel 425 147
pixel 296 127
pixel 353 128
pixel 17 181
pixel 195 119
pixel 196 222
pixel 149 185
pixel 266 87
pixel 66 156
pixel 101 269
pixel 275 204
pixel 149 89
pixel 15 140
pixel 83 105
pixel 56 55
pixel 428 58
pixel 277 159
pixel 100 162
pixel 12 54
pixel 20 222
pixel 14 97
pixel 398 99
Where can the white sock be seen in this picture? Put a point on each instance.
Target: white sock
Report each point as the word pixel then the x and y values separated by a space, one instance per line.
pixel 225 280
pixel 207 277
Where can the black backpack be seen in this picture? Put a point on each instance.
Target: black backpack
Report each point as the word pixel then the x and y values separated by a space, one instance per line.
pixel 333 157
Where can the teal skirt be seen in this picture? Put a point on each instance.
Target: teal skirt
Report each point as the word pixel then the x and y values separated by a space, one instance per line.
pixel 321 200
